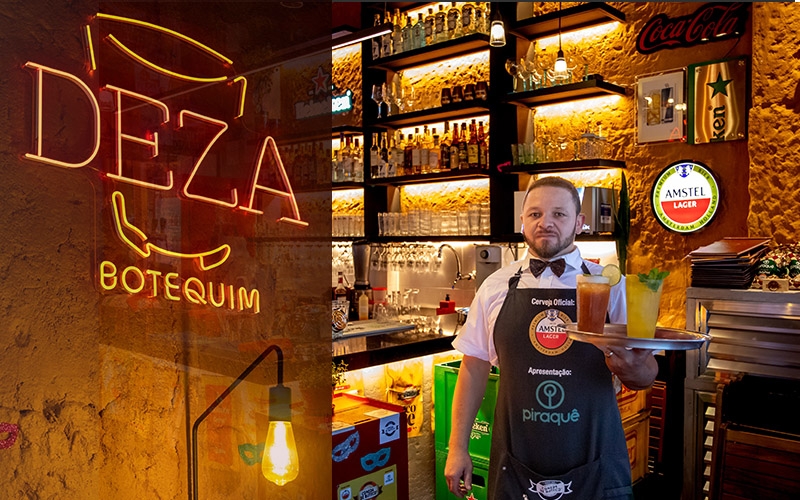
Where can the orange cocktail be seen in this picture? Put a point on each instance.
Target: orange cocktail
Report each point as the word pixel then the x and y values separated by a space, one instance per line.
pixel 593 293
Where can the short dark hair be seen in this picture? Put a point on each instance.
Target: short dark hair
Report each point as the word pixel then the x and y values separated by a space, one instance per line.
pixel 558 182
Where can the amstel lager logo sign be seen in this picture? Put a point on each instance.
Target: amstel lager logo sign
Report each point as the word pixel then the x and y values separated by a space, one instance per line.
pixel 685 196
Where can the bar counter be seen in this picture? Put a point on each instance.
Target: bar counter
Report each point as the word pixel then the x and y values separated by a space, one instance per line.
pixel 365 351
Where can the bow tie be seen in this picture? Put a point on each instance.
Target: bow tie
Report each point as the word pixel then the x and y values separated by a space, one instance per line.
pixel 558 266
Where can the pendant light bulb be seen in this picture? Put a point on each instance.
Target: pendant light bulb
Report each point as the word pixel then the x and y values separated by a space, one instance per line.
pixel 497 34
pixel 561 63
pixel 279 463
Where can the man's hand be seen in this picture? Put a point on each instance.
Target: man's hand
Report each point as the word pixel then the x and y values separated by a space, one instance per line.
pixel 458 472
pixel 636 368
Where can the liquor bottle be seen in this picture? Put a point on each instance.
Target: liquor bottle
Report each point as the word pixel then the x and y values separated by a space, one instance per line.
pixel 454 148
pixel 374 158
pixel 384 153
pixel 444 149
pixel 483 147
pixel 462 147
pixel 386 40
pixel 480 19
pixel 466 19
pixel 337 161
pixel 433 152
pixel 347 159
pixel 416 153
pixel 395 159
pixel 408 37
pixel 440 25
pixel 340 292
pixel 429 27
pixel 358 162
pixel 397 33
pixel 376 44
pixel 472 146
pixel 408 156
pixel 425 151
pixel 453 21
pixel 418 32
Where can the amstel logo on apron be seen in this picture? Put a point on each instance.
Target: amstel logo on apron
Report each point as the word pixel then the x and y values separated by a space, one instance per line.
pixel 547 332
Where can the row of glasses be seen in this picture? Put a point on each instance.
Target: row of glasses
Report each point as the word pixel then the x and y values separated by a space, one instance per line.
pixel 470 221
pixel 342 259
pixel 347 225
pixel 536 73
pixel 560 147
pixel 411 257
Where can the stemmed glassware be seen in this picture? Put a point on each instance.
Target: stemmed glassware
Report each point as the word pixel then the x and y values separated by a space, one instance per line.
pixel 513 70
pixel 377 96
pixel 388 98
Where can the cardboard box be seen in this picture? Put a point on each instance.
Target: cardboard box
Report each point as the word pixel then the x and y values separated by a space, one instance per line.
pixel 370 449
pixel 631 402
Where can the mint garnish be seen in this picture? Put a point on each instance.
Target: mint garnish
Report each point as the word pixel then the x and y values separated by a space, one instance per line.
pixel 653 279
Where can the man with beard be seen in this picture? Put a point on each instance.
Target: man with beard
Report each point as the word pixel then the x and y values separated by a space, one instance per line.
pixel 557 429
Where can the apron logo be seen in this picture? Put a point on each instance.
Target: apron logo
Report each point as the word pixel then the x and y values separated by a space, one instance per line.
pixel 550 489
pixel 546 332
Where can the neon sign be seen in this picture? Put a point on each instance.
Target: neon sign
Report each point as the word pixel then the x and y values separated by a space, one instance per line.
pixel 267 175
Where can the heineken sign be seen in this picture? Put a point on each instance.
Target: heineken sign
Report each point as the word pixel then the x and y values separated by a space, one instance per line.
pixel 685 196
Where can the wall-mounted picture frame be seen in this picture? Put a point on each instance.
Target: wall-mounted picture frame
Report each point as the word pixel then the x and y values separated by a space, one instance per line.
pixel 660 107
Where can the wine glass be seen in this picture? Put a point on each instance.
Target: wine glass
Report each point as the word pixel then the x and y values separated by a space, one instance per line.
pixel 377 96
pixel 409 95
pixel 388 98
pixel 513 70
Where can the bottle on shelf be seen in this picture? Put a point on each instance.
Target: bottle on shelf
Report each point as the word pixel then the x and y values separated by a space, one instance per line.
pixel 395 156
pixel 483 147
pixel 418 32
pixel 348 160
pixel 340 292
pixel 416 153
pixel 454 148
pixel 433 152
pixel 397 33
pixel 466 19
pixel 472 146
pixel 399 155
pixel 386 40
pixel 408 36
pixel 408 156
pixel 444 148
pixel 374 158
pixel 376 43
pixel 430 21
pixel 384 154
pixel 453 21
pixel 462 147
pixel 358 162
pixel 440 25
pixel 425 151
pixel 480 18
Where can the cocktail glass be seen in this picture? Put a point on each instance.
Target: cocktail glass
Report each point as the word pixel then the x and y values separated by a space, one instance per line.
pixel 643 297
pixel 593 293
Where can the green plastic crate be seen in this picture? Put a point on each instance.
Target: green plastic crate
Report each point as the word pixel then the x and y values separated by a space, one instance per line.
pixel 480 478
pixel 444 383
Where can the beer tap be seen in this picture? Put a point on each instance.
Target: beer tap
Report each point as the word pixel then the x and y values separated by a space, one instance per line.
pixel 459 276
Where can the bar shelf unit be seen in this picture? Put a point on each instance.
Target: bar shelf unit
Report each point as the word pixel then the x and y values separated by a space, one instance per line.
pixel 564 93
pixel 564 166
pixel 572 19
pixel 450 175
pixel 460 46
pixel 453 111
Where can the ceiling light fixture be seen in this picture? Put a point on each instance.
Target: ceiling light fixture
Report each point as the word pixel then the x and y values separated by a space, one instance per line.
pixel 497 32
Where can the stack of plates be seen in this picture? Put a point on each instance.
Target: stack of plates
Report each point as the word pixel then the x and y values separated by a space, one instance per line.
pixel 728 263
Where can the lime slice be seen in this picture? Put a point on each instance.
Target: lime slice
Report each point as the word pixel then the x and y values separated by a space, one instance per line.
pixel 613 274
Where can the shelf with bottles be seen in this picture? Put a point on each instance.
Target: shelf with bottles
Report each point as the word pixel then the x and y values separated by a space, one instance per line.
pixel 564 93
pixel 431 32
pixel 424 156
pixel 347 160
pixel 572 19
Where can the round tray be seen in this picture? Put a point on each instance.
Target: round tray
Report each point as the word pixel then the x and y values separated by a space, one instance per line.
pixel 669 339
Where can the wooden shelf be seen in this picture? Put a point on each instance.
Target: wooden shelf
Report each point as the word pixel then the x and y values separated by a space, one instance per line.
pixel 453 111
pixel 475 42
pixel 517 238
pixel 341 186
pixel 413 238
pixel 572 19
pixel 450 175
pixel 564 93
pixel 563 166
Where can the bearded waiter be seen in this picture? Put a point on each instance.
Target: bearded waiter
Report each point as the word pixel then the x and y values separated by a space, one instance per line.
pixel 557 429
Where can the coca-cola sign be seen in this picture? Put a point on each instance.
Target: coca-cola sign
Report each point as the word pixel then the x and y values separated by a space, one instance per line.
pixel 711 22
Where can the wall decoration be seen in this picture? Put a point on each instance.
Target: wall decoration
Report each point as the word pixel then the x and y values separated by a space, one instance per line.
pixel 718 93
pixel 660 107
pixel 685 196
pixel 12 430
pixel 711 22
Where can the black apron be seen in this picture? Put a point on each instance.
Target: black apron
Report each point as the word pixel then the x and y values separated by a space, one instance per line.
pixel 557 431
